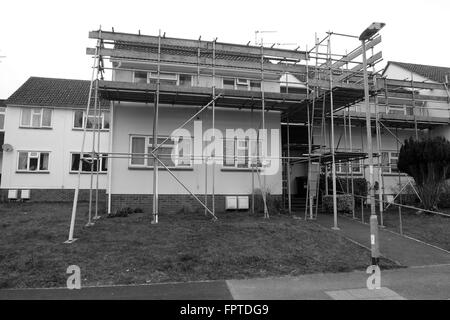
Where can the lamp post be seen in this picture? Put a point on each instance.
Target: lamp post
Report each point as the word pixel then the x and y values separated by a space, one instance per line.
pixel 374 242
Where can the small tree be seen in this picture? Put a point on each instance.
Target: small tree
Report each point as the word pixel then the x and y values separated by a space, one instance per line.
pixel 428 162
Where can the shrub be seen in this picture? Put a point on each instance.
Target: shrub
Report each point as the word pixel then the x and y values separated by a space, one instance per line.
pixel 359 185
pixel 274 203
pixel 345 203
pixel 428 162
pixel 124 212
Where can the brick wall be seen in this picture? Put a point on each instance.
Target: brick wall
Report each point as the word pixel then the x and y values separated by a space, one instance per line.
pixel 169 203
pixel 56 195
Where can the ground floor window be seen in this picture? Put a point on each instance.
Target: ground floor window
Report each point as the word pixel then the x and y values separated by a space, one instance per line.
pixel 173 154
pixel 32 161
pixel 389 161
pixel 98 163
pixel 242 153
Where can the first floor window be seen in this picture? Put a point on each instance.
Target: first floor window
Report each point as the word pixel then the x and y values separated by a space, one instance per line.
pixel 172 153
pixel 33 161
pixel 98 163
pixel 140 77
pixel 2 118
pixel 93 120
pixel 36 117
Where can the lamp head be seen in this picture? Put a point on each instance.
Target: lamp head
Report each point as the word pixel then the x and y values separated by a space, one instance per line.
pixel 371 30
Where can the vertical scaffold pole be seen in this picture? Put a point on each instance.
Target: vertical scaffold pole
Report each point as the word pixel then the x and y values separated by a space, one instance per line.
pixel 213 182
pixel 288 169
pixel 90 223
pixel 351 166
pixel 380 169
pixel 99 156
pixel 110 159
pixel 333 160
pixel 80 162
pixel 266 212
pixel 155 138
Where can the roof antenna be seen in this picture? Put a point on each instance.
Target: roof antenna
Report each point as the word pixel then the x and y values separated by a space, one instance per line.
pixel 248 43
pixel 112 29
pixel 199 38
pixel 164 34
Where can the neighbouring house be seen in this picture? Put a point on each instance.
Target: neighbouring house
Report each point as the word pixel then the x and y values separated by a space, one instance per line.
pixel 43 126
pixel 413 102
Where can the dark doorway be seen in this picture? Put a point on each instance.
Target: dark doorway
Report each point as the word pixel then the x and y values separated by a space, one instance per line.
pixel 301 186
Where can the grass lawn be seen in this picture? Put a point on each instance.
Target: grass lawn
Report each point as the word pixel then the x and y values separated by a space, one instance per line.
pixel 182 247
pixel 431 228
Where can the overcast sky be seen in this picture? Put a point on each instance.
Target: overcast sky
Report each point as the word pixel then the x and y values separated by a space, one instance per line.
pixel 48 38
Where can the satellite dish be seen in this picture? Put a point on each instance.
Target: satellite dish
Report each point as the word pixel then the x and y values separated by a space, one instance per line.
pixel 7 147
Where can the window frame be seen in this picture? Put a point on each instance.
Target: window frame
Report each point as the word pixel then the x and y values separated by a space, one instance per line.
pixel 148 143
pixel 249 157
pixel 389 165
pixel 28 161
pixel 103 158
pixel 3 113
pixel 238 82
pixel 84 121
pixel 30 123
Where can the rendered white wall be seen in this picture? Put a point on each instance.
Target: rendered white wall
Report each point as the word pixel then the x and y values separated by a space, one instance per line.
pixel 60 141
pixel 132 119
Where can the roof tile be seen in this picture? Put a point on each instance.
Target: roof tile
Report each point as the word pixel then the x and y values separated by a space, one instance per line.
pixel 37 91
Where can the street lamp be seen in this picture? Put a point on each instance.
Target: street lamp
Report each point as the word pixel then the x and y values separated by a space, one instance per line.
pixel 374 243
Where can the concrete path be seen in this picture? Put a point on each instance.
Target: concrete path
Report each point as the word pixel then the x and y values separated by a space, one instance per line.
pixel 432 282
pixel 393 246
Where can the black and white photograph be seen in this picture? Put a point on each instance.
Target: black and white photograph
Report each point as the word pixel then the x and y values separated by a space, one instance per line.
pixel 224 155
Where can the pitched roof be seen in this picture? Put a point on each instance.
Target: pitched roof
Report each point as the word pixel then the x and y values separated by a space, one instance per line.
pixel 37 91
pixel 430 72
pixel 185 51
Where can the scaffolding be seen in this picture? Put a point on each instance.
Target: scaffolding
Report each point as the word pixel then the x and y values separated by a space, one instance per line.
pixel 331 88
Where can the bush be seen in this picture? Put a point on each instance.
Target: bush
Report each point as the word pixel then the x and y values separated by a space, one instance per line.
pixel 345 203
pixel 124 212
pixel 274 203
pixel 359 185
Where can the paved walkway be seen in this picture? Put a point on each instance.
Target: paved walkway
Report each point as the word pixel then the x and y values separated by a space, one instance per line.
pixel 430 282
pixel 393 246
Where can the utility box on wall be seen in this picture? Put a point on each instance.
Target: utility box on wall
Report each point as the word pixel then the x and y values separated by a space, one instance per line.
pixel 243 203
pixel 230 203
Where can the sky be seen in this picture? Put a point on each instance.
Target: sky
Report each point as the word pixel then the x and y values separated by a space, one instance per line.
pixel 49 38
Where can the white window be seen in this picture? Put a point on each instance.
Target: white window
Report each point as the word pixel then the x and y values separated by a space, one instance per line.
pixel 92 121
pixel 2 118
pixel 343 167
pixel 98 163
pixel 164 78
pixel 397 110
pixel 241 84
pixel 32 161
pixel 36 118
pixel 241 153
pixel 174 154
pixel 389 161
